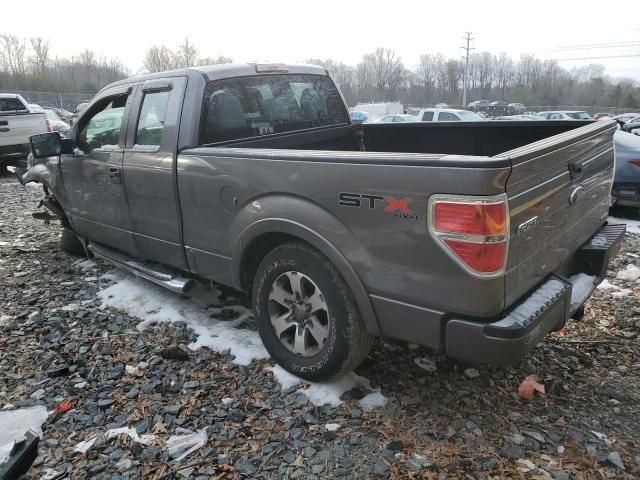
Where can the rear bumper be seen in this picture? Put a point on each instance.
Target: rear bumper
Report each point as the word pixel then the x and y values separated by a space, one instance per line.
pixel 626 194
pixel 545 309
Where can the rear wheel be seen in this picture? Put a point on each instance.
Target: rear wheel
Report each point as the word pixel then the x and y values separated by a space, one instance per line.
pixel 70 243
pixel 306 314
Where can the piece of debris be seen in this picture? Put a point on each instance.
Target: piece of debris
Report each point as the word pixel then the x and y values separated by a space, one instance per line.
pixel 529 386
pixel 181 445
pixel 174 353
pixel 426 364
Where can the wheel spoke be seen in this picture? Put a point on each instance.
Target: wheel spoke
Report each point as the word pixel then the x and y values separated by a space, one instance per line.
pixel 296 287
pixel 298 342
pixel 281 296
pixel 280 323
pixel 318 331
pixel 317 302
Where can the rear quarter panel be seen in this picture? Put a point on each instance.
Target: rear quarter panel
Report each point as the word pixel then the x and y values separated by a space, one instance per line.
pixel 224 191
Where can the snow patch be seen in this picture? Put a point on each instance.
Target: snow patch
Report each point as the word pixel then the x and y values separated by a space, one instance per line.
pixel 328 393
pixel 154 304
pixel 15 423
pixel 617 291
pixel 372 401
pixel 631 273
pixel 633 226
pixel 582 288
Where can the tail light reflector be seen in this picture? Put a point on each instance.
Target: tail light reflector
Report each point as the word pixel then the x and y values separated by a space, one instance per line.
pixel 635 162
pixel 49 128
pixel 474 231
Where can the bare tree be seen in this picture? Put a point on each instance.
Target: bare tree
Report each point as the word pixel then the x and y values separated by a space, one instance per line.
pixel 187 54
pixel 40 58
pixel 221 59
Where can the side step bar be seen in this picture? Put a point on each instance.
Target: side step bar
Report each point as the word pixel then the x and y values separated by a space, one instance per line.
pixel 151 271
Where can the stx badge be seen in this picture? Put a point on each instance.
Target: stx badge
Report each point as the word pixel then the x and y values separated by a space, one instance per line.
pixel 399 207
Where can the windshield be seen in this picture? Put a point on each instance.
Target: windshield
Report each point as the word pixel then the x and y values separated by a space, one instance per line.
pixel 51 115
pixel 579 115
pixel 470 116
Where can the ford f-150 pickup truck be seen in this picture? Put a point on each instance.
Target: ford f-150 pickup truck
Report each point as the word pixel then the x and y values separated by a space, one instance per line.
pixel 474 238
pixel 17 124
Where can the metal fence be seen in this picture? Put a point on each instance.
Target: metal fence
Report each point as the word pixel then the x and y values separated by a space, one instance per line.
pixel 68 101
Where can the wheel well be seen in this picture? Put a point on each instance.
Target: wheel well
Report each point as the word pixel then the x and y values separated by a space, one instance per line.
pixel 257 250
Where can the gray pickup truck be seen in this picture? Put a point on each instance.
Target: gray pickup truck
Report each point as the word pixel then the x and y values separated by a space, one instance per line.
pixel 475 239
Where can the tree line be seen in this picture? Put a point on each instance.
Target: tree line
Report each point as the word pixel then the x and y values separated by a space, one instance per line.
pixel 381 75
pixel 29 64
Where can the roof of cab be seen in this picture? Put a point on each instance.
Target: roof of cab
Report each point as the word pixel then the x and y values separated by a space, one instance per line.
pixel 227 70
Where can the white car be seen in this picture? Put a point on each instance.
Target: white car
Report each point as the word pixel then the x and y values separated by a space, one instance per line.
pixel 17 123
pixel 448 115
pixel 397 119
pixel 565 115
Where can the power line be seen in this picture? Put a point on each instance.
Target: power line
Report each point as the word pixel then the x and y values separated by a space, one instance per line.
pixel 598 58
pixel 468 39
pixel 598 45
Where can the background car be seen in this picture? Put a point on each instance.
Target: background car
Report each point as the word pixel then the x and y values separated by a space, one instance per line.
pixel 632 126
pixel 64 115
pixel 397 119
pixel 519 117
pixel 598 116
pixel 448 115
pixel 625 117
pixel 517 108
pixel 565 115
pixel 55 123
pixel 626 183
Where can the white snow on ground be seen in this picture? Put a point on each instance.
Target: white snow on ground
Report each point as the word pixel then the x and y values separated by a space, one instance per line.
pixel 329 393
pixel 617 291
pixel 154 304
pixel 633 226
pixel 15 424
pixel 631 273
pixel 582 287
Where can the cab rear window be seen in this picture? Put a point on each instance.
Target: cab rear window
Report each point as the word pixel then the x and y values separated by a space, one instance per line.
pixel 246 107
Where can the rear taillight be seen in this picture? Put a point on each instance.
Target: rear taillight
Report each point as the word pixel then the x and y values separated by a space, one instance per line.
pixel 474 231
pixel 49 127
pixel 635 162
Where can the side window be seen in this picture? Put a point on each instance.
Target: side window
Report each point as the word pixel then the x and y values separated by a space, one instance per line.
pixel 11 105
pixel 387 119
pixel 427 117
pixel 103 125
pixel 259 105
pixel 151 120
pixel 447 117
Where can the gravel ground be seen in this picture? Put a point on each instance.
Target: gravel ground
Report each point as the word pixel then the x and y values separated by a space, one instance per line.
pixel 441 419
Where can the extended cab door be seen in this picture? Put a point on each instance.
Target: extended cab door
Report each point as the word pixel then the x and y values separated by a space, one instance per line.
pixel 92 174
pixel 149 171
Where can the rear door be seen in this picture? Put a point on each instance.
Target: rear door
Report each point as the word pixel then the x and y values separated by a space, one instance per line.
pixel 92 175
pixel 149 171
pixel 558 195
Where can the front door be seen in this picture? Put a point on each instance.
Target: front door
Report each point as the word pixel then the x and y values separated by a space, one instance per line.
pixel 93 177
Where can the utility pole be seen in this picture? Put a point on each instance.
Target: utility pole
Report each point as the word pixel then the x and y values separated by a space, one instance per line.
pixel 468 39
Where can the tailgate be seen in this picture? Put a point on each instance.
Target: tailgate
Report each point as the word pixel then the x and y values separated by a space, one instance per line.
pixel 558 194
pixel 16 129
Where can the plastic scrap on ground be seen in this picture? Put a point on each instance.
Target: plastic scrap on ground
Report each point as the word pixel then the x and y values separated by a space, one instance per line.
pixel 529 387
pixel 187 442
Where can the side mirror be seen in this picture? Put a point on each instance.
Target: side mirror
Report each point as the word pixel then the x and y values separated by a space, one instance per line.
pixel 46 145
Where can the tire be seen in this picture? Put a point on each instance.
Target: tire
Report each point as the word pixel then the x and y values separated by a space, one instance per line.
pixel 345 342
pixel 70 243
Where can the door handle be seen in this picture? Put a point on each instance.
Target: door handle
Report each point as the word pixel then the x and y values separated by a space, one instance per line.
pixel 115 176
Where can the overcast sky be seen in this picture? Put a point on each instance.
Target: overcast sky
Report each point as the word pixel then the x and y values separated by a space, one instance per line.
pixel 292 31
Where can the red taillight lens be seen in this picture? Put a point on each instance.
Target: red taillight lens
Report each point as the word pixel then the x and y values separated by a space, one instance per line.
pixel 471 218
pixel 481 257
pixel 635 162
pixel 49 129
pixel 473 230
